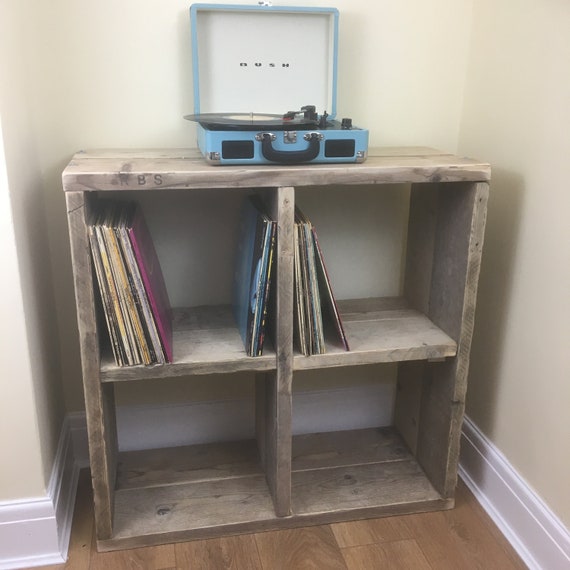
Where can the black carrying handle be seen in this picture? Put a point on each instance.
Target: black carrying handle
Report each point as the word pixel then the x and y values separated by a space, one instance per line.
pixel 293 156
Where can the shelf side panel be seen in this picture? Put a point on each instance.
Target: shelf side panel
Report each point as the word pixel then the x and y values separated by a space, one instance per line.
pixel 261 418
pixel 422 223
pixel 408 401
pixel 457 259
pixel 99 399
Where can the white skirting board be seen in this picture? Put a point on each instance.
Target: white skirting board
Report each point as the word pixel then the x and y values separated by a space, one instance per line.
pixel 35 532
pixel 534 531
pixel 41 527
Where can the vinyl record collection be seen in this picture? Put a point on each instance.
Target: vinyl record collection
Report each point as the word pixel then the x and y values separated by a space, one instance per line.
pixel 133 293
pixel 135 301
pixel 252 276
pixel 316 313
pixel 313 292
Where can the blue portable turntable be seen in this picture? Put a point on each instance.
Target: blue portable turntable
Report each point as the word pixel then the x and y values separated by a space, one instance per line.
pixel 260 74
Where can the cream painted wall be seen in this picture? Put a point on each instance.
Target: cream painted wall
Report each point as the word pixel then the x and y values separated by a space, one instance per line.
pixel 79 74
pixel 21 473
pixel 31 407
pixel 118 74
pixel 517 116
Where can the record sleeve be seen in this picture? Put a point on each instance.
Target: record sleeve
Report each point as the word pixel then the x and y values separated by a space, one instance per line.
pixel 116 314
pixel 153 279
pixel 148 320
pixel 107 300
pixel 327 296
pixel 129 307
pixel 252 274
pixel 317 318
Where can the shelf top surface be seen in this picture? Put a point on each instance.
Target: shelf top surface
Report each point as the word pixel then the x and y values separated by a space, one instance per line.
pixel 206 341
pixel 113 170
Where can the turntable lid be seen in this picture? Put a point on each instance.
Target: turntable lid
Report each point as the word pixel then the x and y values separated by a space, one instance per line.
pixel 263 59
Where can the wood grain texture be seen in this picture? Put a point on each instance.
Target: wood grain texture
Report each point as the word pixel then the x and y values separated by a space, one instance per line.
pixel 144 170
pixel 457 260
pixel 371 531
pixel 261 418
pixel 343 448
pixel 302 549
pixel 161 557
pixel 166 511
pixel 206 340
pixel 188 464
pixel 278 409
pixel 422 224
pixel 360 487
pixel 229 553
pixel 214 491
pixel 459 538
pixel 377 332
pixel 407 407
pixel 397 555
pixel 207 491
pixel 99 400
pixel 463 538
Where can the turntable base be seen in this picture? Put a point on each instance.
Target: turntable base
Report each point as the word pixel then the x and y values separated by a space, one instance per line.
pixel 295 137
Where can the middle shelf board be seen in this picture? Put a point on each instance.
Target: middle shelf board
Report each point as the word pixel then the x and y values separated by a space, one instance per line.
pixel 382 329
pixel 206 340
pixel 379 330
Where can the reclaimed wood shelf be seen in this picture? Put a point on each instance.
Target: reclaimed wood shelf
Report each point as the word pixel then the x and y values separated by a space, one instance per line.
pixel 206 340
pixel 382 330
pixel 335 476
pixel 279 480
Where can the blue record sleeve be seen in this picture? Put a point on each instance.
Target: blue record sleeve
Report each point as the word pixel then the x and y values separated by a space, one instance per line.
pixel 250 275
pixel 264 286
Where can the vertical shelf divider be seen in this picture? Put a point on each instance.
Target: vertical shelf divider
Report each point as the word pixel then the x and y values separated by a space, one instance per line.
pixel 276 405
pixel 99 398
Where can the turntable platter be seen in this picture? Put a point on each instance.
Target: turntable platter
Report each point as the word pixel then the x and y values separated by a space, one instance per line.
pixel 250 121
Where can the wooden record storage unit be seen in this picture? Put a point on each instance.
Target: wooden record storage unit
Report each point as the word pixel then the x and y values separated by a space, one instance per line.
pixel 279 480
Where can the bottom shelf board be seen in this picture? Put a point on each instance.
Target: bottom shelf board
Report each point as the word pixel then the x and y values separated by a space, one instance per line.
pixel 188 464
pixel 165 514
pixel 219 489
pixel 360 487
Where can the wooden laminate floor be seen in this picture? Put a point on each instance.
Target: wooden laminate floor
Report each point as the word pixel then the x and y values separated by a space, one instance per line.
pixel 460 539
